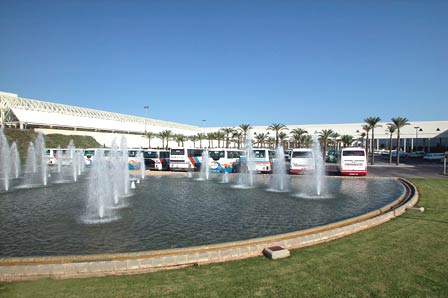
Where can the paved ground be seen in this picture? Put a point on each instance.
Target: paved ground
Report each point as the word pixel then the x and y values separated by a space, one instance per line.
pixel 408 168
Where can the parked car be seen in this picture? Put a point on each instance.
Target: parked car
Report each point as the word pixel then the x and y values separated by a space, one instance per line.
pixel 434 156
pixel 402 153
pixel 332 156
pixel 417 154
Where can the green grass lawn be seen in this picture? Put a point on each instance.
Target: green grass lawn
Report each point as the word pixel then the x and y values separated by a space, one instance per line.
pixel 406 257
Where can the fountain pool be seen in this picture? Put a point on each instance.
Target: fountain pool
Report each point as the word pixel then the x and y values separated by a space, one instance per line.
pixel 176 211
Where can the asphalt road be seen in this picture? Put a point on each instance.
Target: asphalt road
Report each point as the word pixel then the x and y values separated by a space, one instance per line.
pixel 408 168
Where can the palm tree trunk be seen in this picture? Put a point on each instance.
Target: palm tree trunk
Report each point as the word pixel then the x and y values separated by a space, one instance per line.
pixel 398 147
pixel 367 146
pixel 390 149
pixel 372 161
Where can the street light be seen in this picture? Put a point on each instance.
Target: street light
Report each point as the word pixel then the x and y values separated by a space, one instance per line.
pixel 416 137
pixel 146 113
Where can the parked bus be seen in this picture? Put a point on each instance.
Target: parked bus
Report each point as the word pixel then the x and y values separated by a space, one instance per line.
pixel 157 159
pixel 134 161
pixel 302 161
pixel 222 160
pixel 185 159
pixel 262 159
pixel 353 161
pixel 133 157
pixel 63 156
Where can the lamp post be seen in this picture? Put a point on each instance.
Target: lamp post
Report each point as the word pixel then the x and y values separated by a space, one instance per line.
pixel 203 126
pixel 416 137
pixel 146 113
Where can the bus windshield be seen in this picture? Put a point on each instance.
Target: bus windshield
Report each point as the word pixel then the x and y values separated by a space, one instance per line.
pixel 177 151
pixel 352 153
pixel 302 154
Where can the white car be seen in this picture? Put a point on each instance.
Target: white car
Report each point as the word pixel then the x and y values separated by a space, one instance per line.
pixel 417 154
pixel 434 156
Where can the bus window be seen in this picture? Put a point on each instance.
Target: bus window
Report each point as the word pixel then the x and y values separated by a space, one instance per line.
pixel 216 154
pixel 259 153
pixel 164 154
pixel 177 151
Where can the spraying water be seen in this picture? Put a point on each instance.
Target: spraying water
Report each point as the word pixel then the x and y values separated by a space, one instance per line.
pixel 41 160
pixel 5 162
pixel 246 177
pixel 30 163
pixel 279 179
pixel 319 165
pixel 205 165
pixel 225 177
pixel 15 158
pixel 99 201
pixel 142 165
pixel 59 159
pixel 124 173
pixel 73 160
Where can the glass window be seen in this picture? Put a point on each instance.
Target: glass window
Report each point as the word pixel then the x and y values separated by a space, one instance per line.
pixel 89 152
pixel 195 152
pixel 259 153
pixel 177 151
pixel 234 154
pixel 216 155
pixel 302 154
pixel 164 154
pixel 132 153
pixel 353 153
pixel 150 154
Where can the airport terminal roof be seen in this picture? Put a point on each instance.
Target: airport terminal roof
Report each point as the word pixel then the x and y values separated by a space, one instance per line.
pixel 36 112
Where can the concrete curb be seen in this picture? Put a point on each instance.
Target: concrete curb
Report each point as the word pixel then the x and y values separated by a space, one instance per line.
pixel 27 268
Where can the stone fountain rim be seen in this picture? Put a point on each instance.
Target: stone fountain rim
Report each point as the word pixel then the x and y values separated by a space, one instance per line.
pixel 22 268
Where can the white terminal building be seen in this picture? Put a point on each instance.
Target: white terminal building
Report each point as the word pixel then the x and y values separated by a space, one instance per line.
pixel 54 118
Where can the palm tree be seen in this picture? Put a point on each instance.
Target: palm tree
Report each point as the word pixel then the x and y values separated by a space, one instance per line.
pixel 219 135
pixel 372 122
pixel 210 138
pixel 390 129
pixel 245 128
pixel 324 135
pixel 283 137
pixel 228 131
pixel 237 135
pixel 201 137
pixel 150 135
pixel 261 139
pixel 277 127
pixel 270 141
pixel 362 136
pixel 399 122
pixel 194 139
pixel 180 139
pixel 335 139
pixel 297 133
pixel 165 135
pixel 367 128
pixel 306 140
pixel 346 140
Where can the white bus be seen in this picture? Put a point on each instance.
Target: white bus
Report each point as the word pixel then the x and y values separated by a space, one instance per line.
pixel 185 159
pixel 133 157
pixel 222 160
pixel 302 161
pixel 352 161
pixel 262 159
pixel 157 159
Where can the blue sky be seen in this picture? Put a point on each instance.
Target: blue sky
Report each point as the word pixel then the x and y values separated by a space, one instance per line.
pixel 231 62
